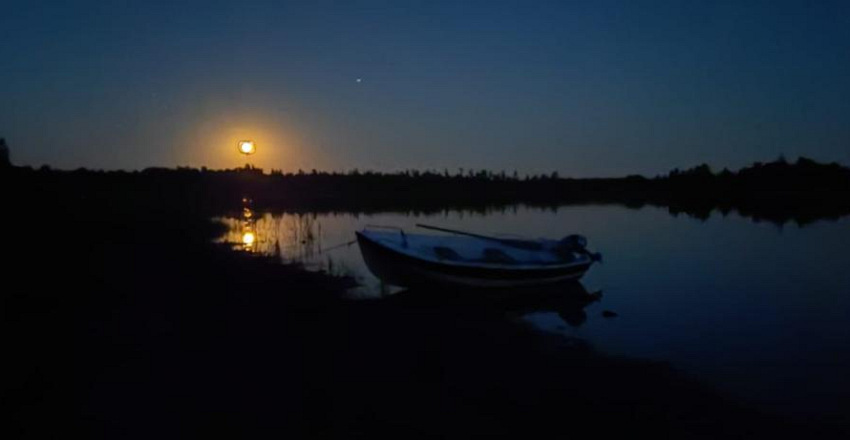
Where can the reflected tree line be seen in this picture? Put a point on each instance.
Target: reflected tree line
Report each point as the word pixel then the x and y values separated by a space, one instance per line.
pixel 780 191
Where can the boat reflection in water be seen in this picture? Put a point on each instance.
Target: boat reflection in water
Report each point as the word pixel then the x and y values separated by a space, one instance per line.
pixel 568 299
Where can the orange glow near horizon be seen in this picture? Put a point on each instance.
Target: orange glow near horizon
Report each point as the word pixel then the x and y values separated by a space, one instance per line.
pixel 211 142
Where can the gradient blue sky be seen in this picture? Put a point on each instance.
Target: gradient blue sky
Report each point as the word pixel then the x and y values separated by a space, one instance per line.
pixel 593 88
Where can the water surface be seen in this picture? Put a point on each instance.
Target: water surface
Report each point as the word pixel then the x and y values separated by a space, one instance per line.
pixel 760 311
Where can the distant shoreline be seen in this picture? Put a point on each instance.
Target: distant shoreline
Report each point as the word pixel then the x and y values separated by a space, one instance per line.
pixel 779 191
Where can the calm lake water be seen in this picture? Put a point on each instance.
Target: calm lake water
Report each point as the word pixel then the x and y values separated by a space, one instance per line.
pixel 759 311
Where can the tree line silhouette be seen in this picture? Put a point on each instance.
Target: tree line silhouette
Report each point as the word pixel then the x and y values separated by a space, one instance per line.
pixel 778 191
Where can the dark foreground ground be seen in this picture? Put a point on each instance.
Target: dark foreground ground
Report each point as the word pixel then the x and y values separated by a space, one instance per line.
pixel 128 323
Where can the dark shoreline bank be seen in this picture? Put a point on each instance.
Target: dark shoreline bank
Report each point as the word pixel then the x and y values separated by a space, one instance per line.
pixel 126 321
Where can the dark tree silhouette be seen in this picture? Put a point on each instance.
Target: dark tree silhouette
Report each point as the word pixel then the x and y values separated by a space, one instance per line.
pixel 779 191
pixel 5 160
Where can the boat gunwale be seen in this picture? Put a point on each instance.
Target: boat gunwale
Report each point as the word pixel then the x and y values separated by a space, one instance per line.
pixel 485 269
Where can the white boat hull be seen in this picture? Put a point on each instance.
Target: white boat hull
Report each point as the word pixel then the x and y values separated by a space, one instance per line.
pixel 402 269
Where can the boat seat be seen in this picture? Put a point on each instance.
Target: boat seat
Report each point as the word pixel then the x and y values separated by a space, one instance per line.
pixel 445 253
pixel 493 255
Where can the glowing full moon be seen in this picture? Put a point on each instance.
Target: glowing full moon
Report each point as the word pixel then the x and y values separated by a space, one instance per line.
pixel 247 147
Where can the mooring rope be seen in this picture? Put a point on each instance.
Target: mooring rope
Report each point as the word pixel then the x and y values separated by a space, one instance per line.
pixel 346 244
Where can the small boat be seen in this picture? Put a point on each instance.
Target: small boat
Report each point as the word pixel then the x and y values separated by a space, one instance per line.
pixel 471 260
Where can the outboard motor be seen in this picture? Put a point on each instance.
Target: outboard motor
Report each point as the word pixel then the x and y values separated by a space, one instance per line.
pixel 577 243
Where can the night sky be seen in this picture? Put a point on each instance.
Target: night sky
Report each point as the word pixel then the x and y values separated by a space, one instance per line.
pixel 595 88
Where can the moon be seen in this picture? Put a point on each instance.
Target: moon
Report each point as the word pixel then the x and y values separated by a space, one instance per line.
pixel 359 80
